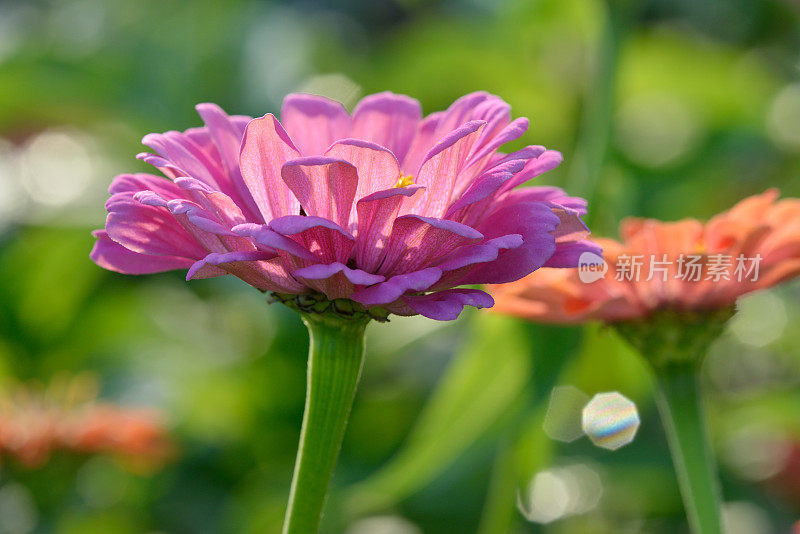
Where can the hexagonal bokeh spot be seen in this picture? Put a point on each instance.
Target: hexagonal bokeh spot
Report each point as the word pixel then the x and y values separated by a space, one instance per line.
pixel 562 422
pixel 610 420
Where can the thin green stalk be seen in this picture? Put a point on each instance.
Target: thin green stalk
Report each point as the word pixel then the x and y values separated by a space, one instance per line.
pixel 335 357
pixel 683 416
pixel 598 103
pixel 498 515
pixel 526 451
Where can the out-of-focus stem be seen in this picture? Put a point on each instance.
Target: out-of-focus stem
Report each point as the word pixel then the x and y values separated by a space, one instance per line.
pixel 598 104
pixel 498 514
pixel 526 453
pixel 683 416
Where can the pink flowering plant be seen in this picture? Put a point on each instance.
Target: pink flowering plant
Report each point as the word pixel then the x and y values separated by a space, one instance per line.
pixel 345 218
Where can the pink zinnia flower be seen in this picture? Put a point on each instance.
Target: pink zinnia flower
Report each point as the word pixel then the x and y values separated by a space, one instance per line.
pixel 685 266
pixel 383 207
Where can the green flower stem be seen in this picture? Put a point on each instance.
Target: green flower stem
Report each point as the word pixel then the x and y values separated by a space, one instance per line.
pixel 675 344
pixel 683 416
pixel 335 357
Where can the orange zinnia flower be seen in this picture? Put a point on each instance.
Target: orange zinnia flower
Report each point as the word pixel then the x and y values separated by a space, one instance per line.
pixel 34 424
pixel 684 266
pixel 668 289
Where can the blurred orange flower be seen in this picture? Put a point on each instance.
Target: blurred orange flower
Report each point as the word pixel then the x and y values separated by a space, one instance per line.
pixel 65 416
pixel 682 266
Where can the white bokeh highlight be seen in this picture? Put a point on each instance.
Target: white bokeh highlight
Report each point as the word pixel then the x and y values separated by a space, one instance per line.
pixel 560 492
pixel 384 524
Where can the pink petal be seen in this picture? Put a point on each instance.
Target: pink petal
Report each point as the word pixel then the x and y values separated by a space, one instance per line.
pixel 148 229
pixel 482 252
pixel 200 223
pixel 447 305
pixel 495 111
pixel 440 170
pixel 214 202
pixel 496 114
pixel 227 134
pixel 186 157
pixel 376 215
pixel 268 239
pixel 487 149
pixel 251 266
pixel 321 271
pixel 484 188
pixel 110 255
pixel 463 110
pixel 216 259
pixel 422 144
pixel 396 286
pixel 548 160
pixel 458 264
pixel 415 242
pixel 571 227
pixel 208 231
pixel 325 187
pixel 535 222
pixel 529 152
pixel 335 280
pixel 265 148
pixel 314 122
pixel 552 194
pixel 164 165
pixel 376 166
pixel 567 254
pixel 133 183
pixel 389 120
pixel 326 240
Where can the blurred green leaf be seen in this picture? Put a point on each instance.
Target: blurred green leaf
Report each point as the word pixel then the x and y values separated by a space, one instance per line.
pixel 482 382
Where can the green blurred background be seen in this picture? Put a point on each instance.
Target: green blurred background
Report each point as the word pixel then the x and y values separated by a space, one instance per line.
pixel 664 108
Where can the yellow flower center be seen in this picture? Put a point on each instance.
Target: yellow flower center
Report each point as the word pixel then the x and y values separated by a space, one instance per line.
pixel 404 180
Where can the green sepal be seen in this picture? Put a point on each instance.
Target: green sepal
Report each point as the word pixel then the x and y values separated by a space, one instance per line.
pixel 672 338
pixel 318 303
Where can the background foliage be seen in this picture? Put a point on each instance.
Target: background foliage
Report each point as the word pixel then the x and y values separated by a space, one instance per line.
pixel 662 108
